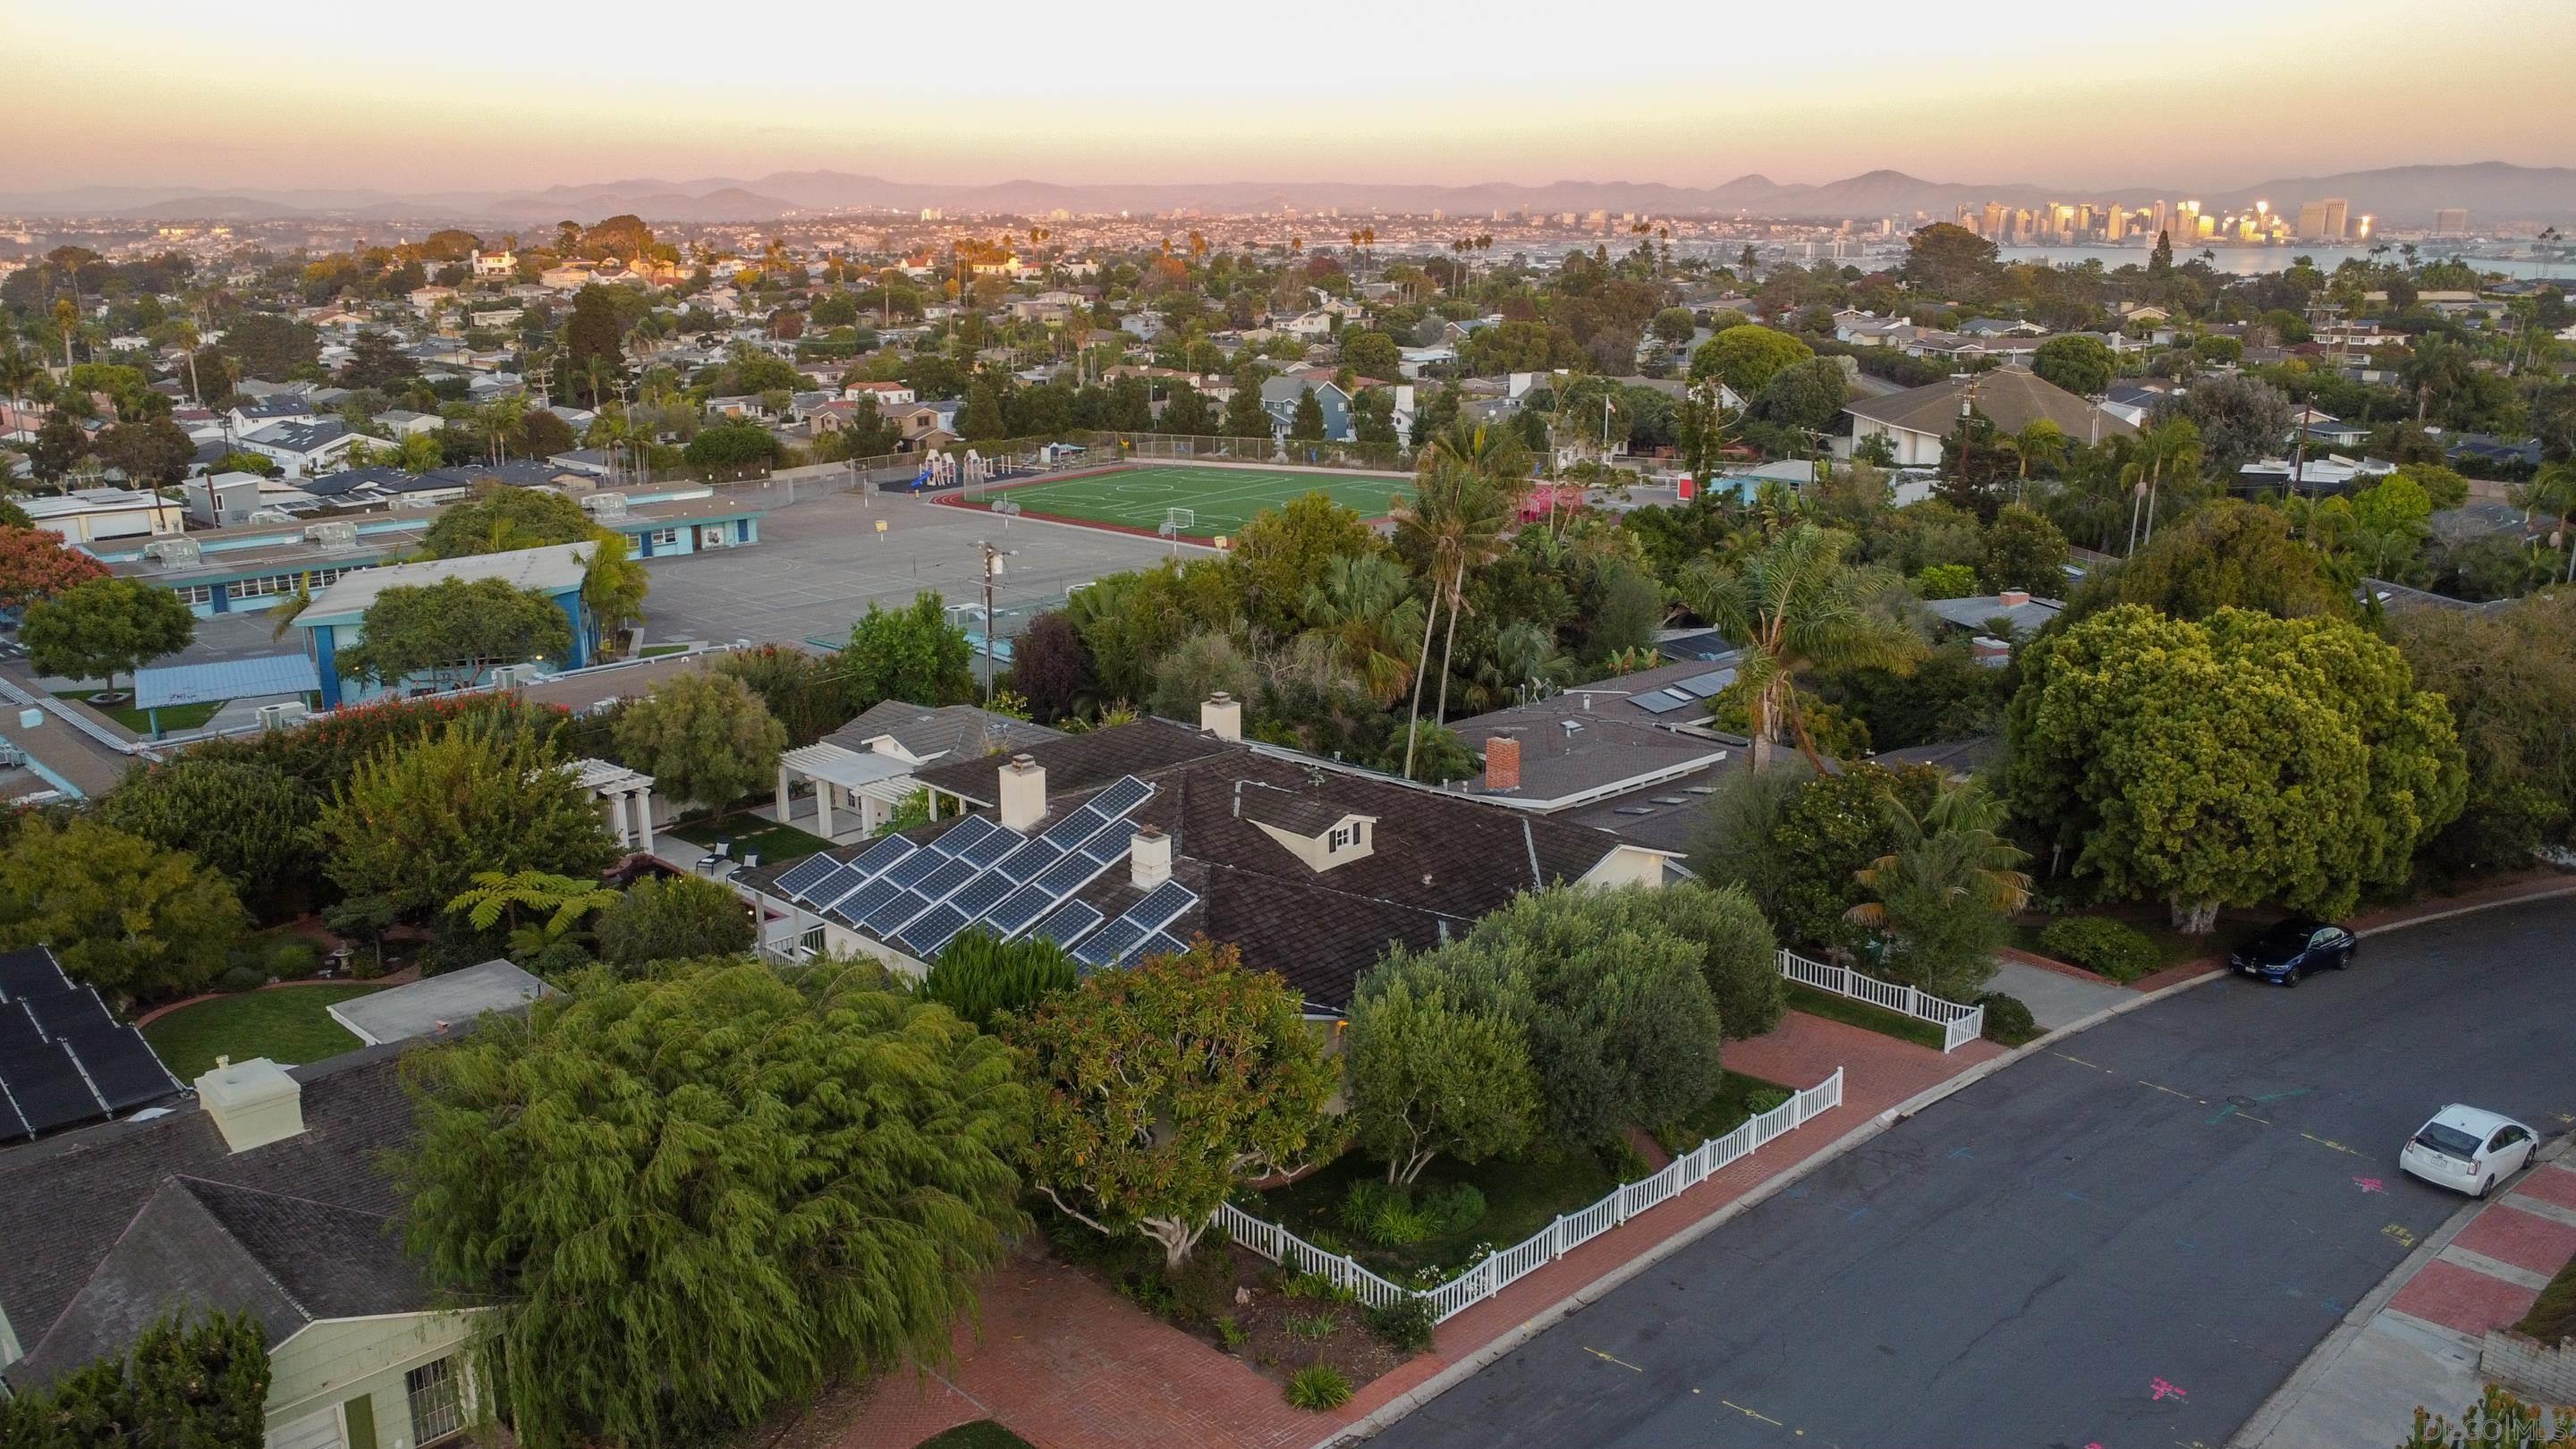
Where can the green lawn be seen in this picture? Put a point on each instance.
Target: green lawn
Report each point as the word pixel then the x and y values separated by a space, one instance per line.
pixel 290 1026
pixel 1737 1100
pixel 174 718
pixel 775 844
pixel 2553 1314
pixel 1520 1199
pixel 1861 1014
pixel 1223 499
pixel 982 1434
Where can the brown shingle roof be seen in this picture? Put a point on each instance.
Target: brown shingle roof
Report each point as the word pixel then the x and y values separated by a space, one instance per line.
pixel 2008 397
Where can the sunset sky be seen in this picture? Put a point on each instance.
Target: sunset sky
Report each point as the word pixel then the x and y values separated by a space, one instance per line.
pixel 2202 93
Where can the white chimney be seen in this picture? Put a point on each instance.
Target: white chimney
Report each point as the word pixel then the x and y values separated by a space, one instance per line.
pixel 1222 716
pixel 254 1103
pixel 1023 793
pixel 1151 854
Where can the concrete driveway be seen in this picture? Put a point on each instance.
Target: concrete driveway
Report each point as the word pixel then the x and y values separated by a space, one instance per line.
pixel 2055 998
pixel 2127 1241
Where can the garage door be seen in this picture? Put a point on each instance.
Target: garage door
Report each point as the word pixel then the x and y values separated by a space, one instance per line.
pixel 315 1431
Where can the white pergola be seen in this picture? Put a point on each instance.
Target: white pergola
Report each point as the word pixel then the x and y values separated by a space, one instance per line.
pixel 618 786
pixel 872 784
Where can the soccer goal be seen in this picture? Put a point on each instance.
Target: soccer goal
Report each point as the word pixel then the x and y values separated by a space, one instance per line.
pixel 1177 522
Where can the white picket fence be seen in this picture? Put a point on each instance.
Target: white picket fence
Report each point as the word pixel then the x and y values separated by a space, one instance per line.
pixel 1500 1270
pixel 1959 1025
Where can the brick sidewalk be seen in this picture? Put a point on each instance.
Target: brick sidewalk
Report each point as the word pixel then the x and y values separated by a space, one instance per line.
pixel 2494 1269
pixel 1067 1364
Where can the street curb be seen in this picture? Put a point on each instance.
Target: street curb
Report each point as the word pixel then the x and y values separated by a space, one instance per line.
pixel 2268 1415
pixel 2556 893
pixel 1384 1417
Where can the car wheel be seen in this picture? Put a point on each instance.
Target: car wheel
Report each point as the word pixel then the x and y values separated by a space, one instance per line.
pixel 2291 977
pixel 2485 1187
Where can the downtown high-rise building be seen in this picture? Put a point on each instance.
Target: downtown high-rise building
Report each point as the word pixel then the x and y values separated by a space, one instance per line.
pixel 2323 220
pixel 2451 221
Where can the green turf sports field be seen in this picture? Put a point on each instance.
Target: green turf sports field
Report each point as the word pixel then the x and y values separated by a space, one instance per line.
pixel 1224 499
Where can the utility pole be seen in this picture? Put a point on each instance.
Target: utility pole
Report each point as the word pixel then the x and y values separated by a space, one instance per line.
pixel 992 569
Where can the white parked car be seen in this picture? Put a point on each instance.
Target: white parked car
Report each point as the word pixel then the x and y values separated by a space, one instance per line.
pixel 2468 1150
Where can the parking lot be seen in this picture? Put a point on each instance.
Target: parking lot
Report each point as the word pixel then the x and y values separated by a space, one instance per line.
pixel 820 562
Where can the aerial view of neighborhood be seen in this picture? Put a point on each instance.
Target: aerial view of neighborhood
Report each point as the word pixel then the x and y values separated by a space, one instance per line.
pixel 1408 725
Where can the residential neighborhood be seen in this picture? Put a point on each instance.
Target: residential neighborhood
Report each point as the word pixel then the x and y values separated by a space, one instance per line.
pixel 860 802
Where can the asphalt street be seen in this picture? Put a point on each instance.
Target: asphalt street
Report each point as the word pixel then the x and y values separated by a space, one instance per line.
pixel 2124 1243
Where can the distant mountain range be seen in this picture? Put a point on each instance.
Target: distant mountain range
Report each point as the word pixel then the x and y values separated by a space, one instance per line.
pixel 2491 191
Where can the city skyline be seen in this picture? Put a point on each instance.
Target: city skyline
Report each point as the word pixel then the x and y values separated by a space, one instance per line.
pixel 297 94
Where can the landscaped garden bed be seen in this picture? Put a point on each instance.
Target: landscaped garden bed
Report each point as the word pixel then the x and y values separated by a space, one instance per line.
pixel 289 1025
pixel 1861 1014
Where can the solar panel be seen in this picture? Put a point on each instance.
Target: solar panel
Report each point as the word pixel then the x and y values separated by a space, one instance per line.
pixel 1662 701
pixel 29 970
pixel 924 937
pixel 876 858
pixel 1028 860
pixel 1162 906
pixel 1104 946
pixel 982 894
pixel 1162 943
pixel 964 835
pixel 18 1030
pixel 989 850
pixel 48 1089
pixel 914 866
pixel 1067 925
pixel 1066 876
pixel 11 1124
pixel 1110 843
pixel 1016 910
pixel 868 898
pixel 1701 686
pixel 834 884
pixel 1073 829
pixel 121 1065
pixel 901 908
pixel 793 882
pixel 949 875
pixel 1124 796
pixel 70 1013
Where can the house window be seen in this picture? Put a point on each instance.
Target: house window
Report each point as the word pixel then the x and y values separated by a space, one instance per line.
pixel 437 1393
pixel 1343 838
pixel 665 538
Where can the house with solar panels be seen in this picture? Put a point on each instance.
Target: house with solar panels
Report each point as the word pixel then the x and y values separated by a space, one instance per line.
pixel 64 1060
pixel 1130 842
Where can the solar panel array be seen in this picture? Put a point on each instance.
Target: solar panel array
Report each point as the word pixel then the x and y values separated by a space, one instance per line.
pixel 977 874
pixel 63 1058
pixel 1143 922
pixel 1683 692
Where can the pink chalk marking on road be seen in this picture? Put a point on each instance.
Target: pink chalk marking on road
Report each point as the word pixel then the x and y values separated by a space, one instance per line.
pixel 2370 1184
pixel 2163 1390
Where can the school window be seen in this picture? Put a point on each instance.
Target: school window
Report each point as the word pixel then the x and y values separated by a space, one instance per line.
pixel 264 586
pixel 195 594
pixel 664 538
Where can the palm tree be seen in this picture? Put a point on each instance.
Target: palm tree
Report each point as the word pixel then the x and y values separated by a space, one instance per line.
pixel 1946 886
pixel 2042 443
pixel 19 369
pixel 1365 606
pixel 2172 445
pixel 1457 515
pixel 560 899
pixel 1795 604
pixel 66 321
pixel 2552 490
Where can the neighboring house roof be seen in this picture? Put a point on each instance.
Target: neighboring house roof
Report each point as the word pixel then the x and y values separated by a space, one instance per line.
pixel 438 1005
pixel 2009 398
pixel 554 570
pixel 1951 757
pixel 1081 762
pixel 1635 734
pixel 2480 517
pixel 940 732
pixel 70 1199
pixel 2028 615
pixel 296 437
pixel 279 407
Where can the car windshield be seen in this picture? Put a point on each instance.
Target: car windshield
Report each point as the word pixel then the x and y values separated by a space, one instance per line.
pixel 2449 1141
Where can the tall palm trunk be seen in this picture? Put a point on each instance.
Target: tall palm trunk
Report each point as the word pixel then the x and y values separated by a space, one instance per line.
pixel 1457 588
pixel 1413 720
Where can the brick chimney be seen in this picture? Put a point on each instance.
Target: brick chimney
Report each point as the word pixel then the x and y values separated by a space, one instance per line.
pixel 1221 715
pixel 254 1103
pixel 1150 858
pixel 2013 598
pixel 1023 793
pixel 1503 762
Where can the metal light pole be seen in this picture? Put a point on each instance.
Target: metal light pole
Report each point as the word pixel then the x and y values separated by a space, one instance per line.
pixel 992 569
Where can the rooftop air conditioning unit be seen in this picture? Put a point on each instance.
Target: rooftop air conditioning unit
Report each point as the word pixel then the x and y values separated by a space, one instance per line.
pixel 515 676
pixel 279 716
pixel 11 757
pixel 173 552
pixel 331 535
pixel 606 505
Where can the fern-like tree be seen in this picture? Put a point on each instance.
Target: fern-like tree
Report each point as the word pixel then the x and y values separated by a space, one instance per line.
pixel 1162 1086
pixel 980 977
pixel 1940 898
pixel 700 1195
pixel 540 908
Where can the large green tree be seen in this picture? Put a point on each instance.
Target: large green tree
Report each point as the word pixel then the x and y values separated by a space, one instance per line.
pixel 2238 761
pixel 1429 1075
pixel 506 520
pixel 246 818
pixel 136 921
pixel 705 738
pixel 912 654
pixel 182 1385
pixel 1163 1086
pixel 2225 555
pixel 2509 676
pixel 2083 366
pixel 1745 357
pixel 805 694
pixel 104 628
pixel 418 820
pixel 454 631
pixel 979 977
pixel 673 918
pixel 698 1196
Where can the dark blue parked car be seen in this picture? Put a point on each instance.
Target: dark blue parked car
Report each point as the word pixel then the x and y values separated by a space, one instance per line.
pixel 2292 949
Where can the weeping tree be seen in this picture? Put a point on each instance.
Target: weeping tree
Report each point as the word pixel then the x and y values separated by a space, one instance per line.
pixel 979 976
pixel 697 1196
pixel 183 1386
